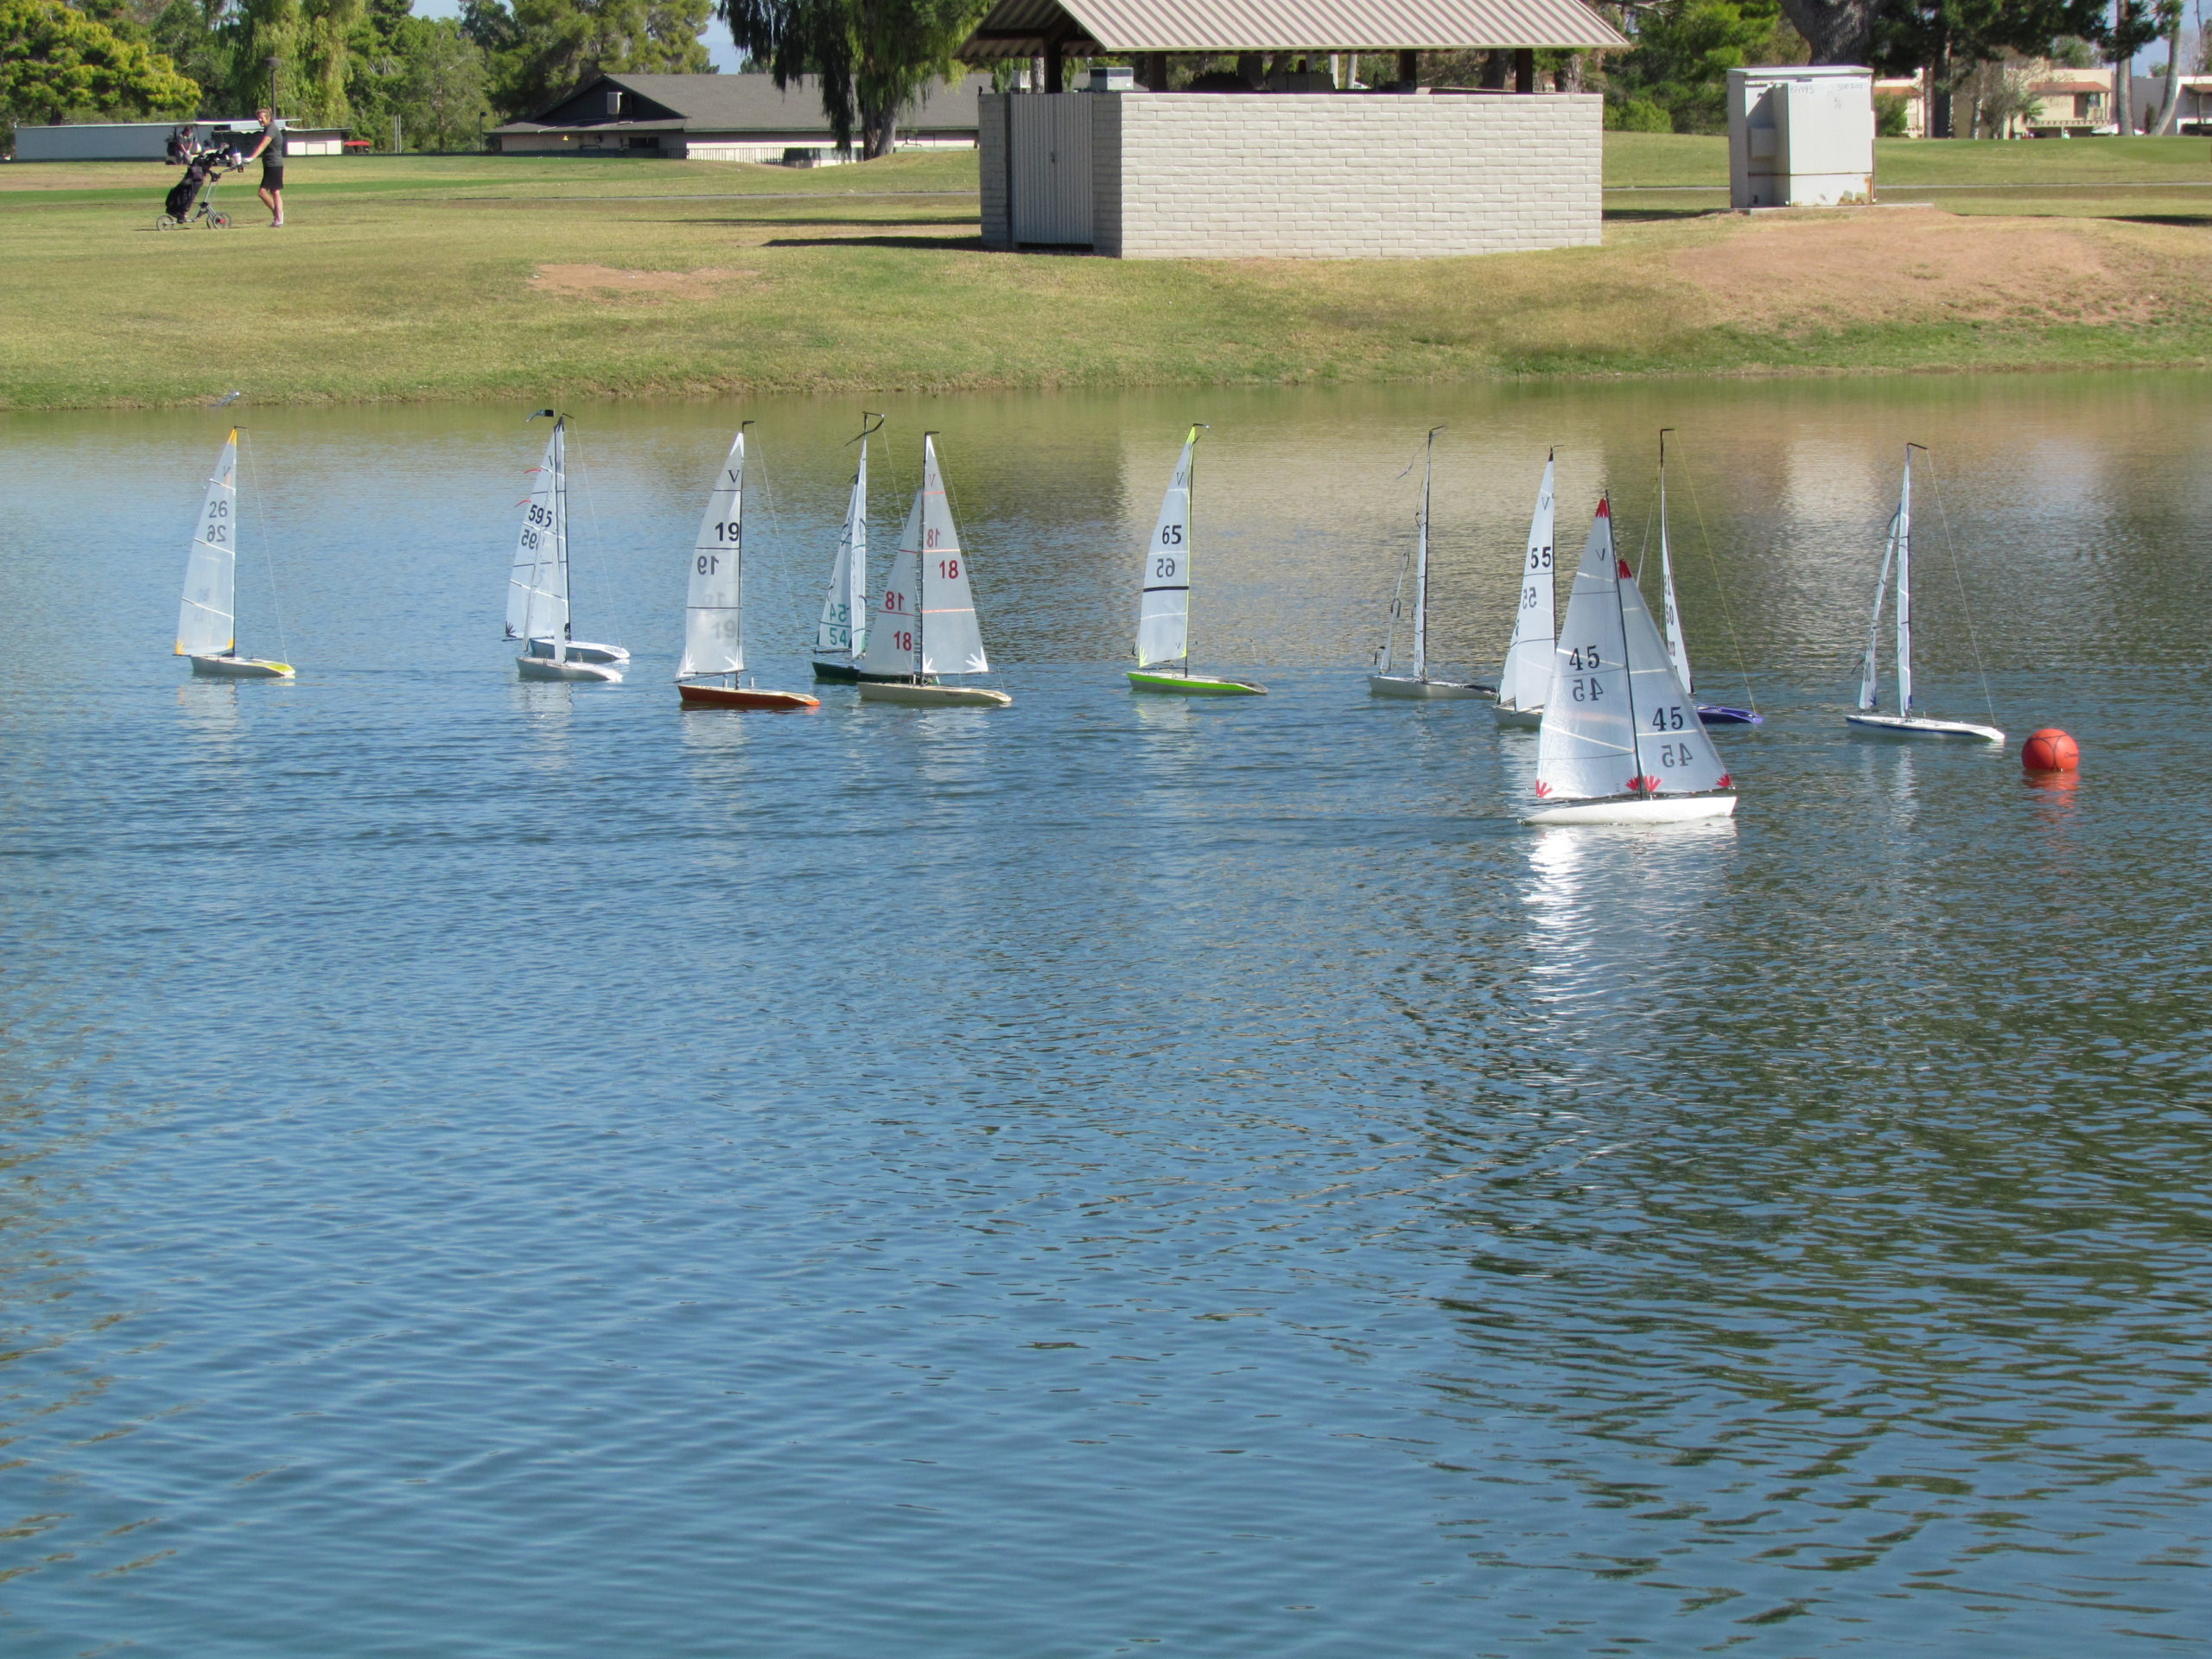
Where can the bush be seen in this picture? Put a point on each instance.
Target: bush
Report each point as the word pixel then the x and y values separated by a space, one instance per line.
pixel 1891 109
pixel 1638 115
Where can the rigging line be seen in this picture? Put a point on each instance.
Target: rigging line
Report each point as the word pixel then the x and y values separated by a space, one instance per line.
pixel 268 558
pixel 1958 581
pixel 604 605
pixel 1720 590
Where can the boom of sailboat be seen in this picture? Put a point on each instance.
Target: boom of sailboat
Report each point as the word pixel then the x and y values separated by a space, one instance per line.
pixel 1622 737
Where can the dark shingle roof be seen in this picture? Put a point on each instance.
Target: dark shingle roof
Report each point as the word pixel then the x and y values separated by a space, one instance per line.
pixel 736 104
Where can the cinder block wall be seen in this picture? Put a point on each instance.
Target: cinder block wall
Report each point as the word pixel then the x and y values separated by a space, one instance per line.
pixel 1323 176
pixel 994 135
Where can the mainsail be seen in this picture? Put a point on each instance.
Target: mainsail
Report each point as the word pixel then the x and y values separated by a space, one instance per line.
pixel 843 624
pixel 1164 609
pixel 538 583
pixel 1898 551
pixel 951 641
pixel 204 623
pixel 713 605
pixel 1617 721
pixel 1527 674
pixel 1677 652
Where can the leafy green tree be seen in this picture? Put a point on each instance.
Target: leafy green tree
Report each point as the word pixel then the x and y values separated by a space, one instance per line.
pixel 1952 38
pixel 542 50
pixel 1684 50
pixel 56 62
pixel 185 30
pixel 310 42
pixel 873 56
pixel 442 95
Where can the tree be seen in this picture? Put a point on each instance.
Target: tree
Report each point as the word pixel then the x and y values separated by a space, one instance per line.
pixel 2171 104
pixel 544 49
pixel 1684 50
pixel 55 62
pixel 1952 38
pixel 441 97
pixel 309 41
pixel 873 56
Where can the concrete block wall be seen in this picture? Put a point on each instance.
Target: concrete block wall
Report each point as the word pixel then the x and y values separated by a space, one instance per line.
pixel 1228 175
pixel 993 124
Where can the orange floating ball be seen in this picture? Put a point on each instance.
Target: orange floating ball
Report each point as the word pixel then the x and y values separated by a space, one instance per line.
pixel 2051 750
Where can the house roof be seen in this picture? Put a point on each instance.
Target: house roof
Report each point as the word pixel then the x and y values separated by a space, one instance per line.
pixel 731 104
pixel 1020 28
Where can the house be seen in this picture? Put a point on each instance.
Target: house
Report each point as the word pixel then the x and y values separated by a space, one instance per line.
pixel 1284 159
pixel 722 118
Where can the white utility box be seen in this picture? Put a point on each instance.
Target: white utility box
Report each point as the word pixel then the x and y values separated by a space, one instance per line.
pixel 1801 135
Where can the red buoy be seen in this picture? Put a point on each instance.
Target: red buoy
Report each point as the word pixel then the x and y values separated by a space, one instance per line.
pixel 2051 750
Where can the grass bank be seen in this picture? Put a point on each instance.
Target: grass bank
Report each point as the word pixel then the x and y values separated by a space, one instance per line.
pixel 434 277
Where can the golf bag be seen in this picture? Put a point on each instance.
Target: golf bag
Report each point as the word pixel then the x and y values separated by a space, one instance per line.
pixel 199 173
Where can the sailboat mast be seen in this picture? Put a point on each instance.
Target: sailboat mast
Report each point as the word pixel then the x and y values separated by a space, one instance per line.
pixel 1628 667
pixel 560 526
pixel 855 559
pixel 1905 585
pixel 1421 564
pixel 1190 548
pixel 922 563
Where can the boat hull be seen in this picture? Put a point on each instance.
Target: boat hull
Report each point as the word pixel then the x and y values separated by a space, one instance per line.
pixel 1193 685
pixel 932 697
pixel 1401 685
pixel 845 674
pixel 578 650
pixel 544 668
pixel 1713 714
pixel 240 668
pixel 1958 731
pixel 1521 719
pixel 1664 809
pixel 738 696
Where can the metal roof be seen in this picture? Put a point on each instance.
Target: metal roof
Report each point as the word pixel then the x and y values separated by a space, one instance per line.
pixel 1016 28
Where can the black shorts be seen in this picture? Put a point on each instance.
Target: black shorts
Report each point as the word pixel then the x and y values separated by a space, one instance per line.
pixel 272 178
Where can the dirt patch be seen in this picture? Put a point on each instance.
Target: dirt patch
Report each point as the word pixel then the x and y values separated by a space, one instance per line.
pixel 654 286
pixel 1895 265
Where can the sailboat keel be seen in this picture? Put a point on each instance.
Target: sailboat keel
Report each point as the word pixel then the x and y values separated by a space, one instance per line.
pixel 1678 809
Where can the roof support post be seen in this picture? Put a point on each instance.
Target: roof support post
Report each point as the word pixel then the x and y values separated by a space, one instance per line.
pixel 1152 71
pixel 1495 65
pixel 1409 70
pixel 1525 70
pixel 1056 78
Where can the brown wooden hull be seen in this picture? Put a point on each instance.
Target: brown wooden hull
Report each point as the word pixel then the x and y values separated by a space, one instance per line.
pixel 729 696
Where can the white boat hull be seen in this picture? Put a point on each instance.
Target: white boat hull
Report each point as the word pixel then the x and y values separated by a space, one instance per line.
pixel 544 668
pixel 1915 726
pixel 932 697
pixel 1403 685
pixel 1664 809
pixel 1525 719
pixel 240 668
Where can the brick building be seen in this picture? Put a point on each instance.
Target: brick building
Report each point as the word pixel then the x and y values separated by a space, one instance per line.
pixel 1288 156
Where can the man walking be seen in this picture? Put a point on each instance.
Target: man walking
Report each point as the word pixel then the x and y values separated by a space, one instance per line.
pixel 271 151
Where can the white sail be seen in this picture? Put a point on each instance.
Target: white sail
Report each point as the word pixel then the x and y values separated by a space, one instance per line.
pixel 890 646
pixel 1528 674
pixel 951 642
pixel 204 622
pixel 714 606
pixel 1904 587
pixel 1164 607
pixel 1868 686
pixel 1677 652
pixel 1616 719
pixel 843 624
pixel 538 583
pixel 1383 658
pixel 1420 569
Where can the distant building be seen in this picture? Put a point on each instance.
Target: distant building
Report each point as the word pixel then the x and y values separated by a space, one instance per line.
pixel 2066 102
pixel 722 118
pixel 148 141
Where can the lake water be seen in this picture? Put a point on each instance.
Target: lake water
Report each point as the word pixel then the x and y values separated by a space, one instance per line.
pixel 504 1170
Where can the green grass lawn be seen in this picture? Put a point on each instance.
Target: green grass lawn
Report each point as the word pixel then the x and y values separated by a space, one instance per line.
pixel 441 278
pixel 1647 159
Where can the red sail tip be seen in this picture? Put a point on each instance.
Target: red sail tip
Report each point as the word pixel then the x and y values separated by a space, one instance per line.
pixel 1604 506
pixel 1725 780
pixel 1626 573
pixel 1542 788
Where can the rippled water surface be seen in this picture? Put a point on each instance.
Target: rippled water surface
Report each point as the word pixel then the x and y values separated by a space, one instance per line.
pixel 503 1170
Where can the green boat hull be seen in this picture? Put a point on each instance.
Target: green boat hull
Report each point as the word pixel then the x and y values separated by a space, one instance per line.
pixel 1193 685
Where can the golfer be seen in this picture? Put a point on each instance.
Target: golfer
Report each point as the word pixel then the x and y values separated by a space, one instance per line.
pixel 271 151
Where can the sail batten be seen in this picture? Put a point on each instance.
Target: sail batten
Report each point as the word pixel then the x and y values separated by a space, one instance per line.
pixel 713 605
pixel 1163 605
pixel 1527 676
pixel 206 622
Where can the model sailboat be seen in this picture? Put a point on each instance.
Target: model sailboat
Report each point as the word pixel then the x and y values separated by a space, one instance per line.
pixel 538 583
pixel 714 604
pixel 925 623
pixel 1163 605
pixel 1904 722
pixel 841 632
pixel 1382 683
pixel 1621 742
pixel 207 626
pixel 1527 678
pixel 1677 652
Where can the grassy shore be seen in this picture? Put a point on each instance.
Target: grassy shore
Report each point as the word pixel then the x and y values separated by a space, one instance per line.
pixel 438 278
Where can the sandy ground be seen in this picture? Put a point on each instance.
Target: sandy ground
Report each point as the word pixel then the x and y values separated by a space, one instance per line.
pixel 1901 264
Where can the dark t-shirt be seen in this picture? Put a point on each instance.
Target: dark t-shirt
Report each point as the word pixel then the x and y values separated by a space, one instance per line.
pixel 272 159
